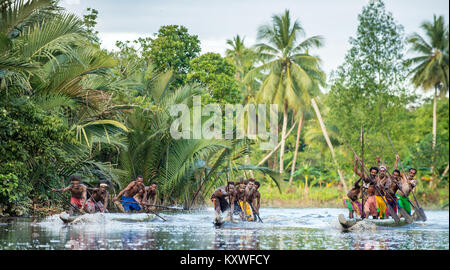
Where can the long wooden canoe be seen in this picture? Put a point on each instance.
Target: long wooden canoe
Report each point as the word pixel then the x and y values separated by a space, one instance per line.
pixel 87 218
pixel 348 223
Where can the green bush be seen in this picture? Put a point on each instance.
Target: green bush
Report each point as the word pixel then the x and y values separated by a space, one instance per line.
pixel 30 148
pixel 8 183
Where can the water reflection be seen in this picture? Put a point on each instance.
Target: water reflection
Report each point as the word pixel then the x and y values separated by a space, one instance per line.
pixel 282 229
pixel 236 240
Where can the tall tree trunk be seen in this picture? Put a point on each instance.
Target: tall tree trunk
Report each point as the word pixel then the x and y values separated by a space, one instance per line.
pixel 325 134
pixel 247 161
pixel 444 173
pixel 275 149
pixel 275 161
pixel 434 117
pixel 297 143
pixel 283 139
pixel 433 143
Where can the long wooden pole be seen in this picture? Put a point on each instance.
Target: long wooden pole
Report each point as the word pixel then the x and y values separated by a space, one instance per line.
pixel 61 197
pixel 148 210
pixel 363 199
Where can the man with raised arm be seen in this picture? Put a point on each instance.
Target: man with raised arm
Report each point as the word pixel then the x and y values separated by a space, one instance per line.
pixel 407 185
pixel 128 202
pixel 78 191
pixel 370 205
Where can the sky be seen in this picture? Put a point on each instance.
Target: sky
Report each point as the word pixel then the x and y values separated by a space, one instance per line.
pixel 216 21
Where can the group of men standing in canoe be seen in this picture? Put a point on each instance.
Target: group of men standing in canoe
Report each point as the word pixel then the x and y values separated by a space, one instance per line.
pixel 241 198
pixel 380 189
pixel 135 197
pixel 378 192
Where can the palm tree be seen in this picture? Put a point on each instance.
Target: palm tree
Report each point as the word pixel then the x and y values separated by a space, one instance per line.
pixel 183 167
pixel 293 73
pixel 31 32
pixel 307 171
pixel 237 53
pixel 45 56
pixel 431 65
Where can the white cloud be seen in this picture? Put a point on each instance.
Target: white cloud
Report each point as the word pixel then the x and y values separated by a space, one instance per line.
pixel 70 2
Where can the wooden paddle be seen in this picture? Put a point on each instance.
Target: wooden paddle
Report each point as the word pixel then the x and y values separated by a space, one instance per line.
pixel 165 207
pixel 148 210
pixel 363 200
pixel 418 209
pixel 62 198
pixel 251 206
pixel 393 214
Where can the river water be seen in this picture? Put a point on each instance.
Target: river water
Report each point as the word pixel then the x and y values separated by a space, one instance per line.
pixel 282 229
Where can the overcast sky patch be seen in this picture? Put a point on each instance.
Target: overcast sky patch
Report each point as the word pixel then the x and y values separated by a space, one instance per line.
pixel 216 21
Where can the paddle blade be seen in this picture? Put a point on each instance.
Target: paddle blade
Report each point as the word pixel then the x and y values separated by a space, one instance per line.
pixel 422 214
pixel 393 214
pixel 404 214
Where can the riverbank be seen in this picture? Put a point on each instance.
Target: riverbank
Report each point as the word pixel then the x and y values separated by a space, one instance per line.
pixel 296 196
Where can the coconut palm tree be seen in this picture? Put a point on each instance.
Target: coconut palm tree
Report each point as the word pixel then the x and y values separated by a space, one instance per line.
pixel 293 74
pixel 430 67
pixel 241 56
pixel 236 53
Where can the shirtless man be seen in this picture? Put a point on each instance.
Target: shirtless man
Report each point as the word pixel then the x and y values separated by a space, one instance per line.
pixel 407 185
pixel 139 197
pixel 128 202
pixel 250 191
pixel 151 194
pixel 98 201
pixel 219 199
pixel 240 197
pixel 382 184
pixel 78 193
pixel 368 188
pixel 394 182
pixel 256 198
pixel 352 202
